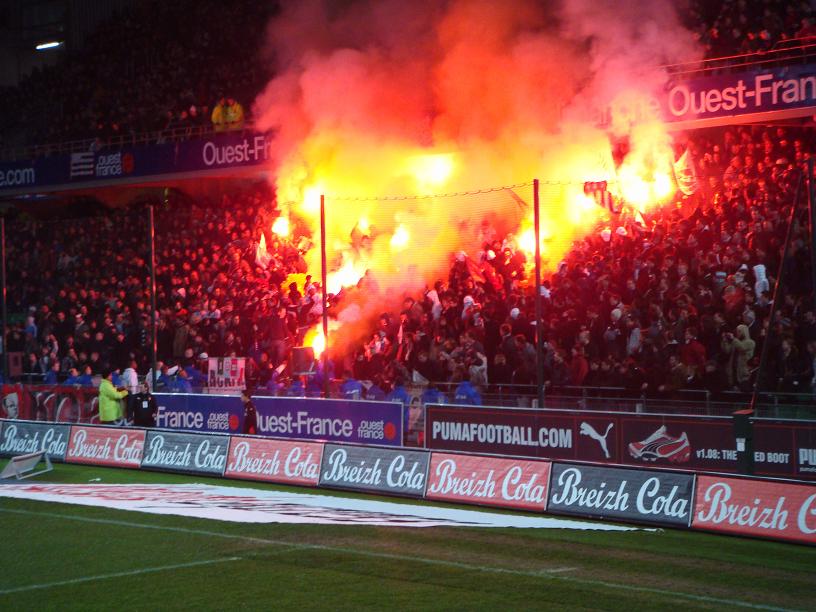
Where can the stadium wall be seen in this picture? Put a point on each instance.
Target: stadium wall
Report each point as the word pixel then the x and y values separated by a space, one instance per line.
pixel 743 506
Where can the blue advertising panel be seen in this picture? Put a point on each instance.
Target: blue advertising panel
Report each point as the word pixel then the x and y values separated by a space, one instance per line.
pixel 285 417
pixel 333 420
pixel 216 152
pixel 215 413
pixel 782 88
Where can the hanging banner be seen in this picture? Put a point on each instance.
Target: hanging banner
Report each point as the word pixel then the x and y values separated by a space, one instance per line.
pixel 226 374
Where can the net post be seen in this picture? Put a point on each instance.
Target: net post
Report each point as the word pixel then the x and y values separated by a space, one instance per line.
pixel 812 223
pixel 151 238
pixel 324 357
pixel 539 339
pixel 4 297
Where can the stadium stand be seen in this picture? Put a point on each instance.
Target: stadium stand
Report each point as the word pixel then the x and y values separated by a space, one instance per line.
pixel 680 302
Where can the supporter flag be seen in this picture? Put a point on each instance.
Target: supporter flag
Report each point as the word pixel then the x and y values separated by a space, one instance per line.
pixel 603 197
pixel 685 174
pixel 475 271
pixel 262 257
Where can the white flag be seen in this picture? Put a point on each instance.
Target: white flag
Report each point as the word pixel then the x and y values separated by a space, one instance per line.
pixel 262 258
pixel 685 174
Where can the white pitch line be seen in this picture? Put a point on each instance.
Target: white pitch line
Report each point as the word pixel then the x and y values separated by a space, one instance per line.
pixel 552 574
pixel 146 570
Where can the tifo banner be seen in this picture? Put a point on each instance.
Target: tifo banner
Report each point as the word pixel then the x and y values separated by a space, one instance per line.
pixel 782 448
pixel 513 483
pixel 213 413
pixel 331 420
pixel 281 461
pixel 256 506
pixel 106 446
pixel 129 164
pixel 641 496
pixel 58 403
pixel 226 374
pixel 22 437
pixel 183 452
pixel 778 510
pixel 367 468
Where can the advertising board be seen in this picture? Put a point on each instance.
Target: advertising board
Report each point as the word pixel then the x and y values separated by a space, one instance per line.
pixel 185 452
pixel 282 461
pixel 381 470
pixel 351 421
pixel 743 506
pixel 110 446
pixel 781 448
pixel 511 483
pixel 642 496
pixel 23 437
pixel 193 412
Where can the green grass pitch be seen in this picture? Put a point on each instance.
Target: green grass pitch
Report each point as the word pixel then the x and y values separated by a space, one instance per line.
pixel 69 557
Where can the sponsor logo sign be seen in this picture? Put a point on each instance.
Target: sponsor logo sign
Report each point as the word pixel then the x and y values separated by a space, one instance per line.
pixel 382 470
pixel 184 452
pixel 14 177
pixel 211 413
pixel 331 420
pixel 514 483
pixel 657 497
pixel 774 89
pixel 226 374
pixel 254 506
pixel 531 433
pixel 781 448
pixel 283 461
pixel 22 437
pixel 246 151
pixel 752 507
pixel 106 446
pixel 82 164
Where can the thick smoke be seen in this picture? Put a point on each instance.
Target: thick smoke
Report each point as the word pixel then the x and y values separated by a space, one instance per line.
pixel 387 97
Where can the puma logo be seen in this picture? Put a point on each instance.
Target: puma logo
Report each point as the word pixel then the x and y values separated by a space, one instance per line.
pixel 589 430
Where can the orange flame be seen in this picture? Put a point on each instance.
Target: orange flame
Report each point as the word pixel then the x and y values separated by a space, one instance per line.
pixel 315 338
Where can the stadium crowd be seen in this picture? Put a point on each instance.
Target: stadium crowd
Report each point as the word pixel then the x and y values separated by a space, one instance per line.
pixel 746 26
pixel 678 300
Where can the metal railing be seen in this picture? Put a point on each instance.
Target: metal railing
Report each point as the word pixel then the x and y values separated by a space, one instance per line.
pixel 786 52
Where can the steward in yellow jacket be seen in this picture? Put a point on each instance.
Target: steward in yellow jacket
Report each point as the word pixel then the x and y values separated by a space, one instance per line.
pixel 110 406
pixel 219 115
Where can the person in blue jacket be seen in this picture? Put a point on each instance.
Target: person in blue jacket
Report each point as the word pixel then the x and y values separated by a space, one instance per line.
pixel 467 394
pixel 399 394
pixel 352 389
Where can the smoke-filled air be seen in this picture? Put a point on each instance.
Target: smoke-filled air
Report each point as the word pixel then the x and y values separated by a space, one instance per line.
pixel 392 98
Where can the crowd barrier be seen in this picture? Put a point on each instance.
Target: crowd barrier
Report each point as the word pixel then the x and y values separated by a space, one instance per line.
pixel 782 448
pixel 766 508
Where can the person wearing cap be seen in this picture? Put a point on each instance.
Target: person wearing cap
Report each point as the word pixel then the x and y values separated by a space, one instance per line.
pixel 110 406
